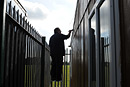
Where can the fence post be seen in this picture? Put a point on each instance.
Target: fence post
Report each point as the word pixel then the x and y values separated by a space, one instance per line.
pixel 2 36
pixel 42 62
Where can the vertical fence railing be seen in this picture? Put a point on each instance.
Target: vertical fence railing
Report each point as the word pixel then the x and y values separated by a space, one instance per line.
pixel 47 77
pixel 2 32
pixel 65 73
pixel 66 70
pixel 22 49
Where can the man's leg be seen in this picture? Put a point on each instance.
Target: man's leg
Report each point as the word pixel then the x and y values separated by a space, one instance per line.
pixel 59 68
pixel 53 68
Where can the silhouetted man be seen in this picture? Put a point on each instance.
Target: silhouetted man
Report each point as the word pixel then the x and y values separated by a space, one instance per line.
pixel 57 51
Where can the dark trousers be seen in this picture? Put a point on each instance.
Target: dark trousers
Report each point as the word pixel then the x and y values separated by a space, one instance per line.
pixel 56 67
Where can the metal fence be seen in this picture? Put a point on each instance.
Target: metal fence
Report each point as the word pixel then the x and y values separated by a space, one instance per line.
pixel 65 77
pixel 47 64
pixel 66 80
pixel 22 49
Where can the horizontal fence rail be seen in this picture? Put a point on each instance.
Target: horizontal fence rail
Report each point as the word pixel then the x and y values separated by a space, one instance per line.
pixel 24 51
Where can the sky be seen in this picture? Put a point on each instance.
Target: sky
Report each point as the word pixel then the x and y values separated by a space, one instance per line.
pixel 45 15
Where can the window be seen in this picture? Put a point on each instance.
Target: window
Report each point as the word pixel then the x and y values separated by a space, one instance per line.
pixel 104 12
pixel 101 46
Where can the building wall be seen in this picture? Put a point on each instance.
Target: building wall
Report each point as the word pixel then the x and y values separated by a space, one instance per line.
pixel 80 44
pixel 110 71
pixel 125 41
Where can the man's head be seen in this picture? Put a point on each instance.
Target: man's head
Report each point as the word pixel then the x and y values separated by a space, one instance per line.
pixel 57 30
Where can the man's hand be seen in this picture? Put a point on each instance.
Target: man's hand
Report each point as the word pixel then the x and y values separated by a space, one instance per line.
pixel 71 30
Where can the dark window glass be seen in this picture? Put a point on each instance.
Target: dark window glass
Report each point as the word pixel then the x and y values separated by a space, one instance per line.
pixel 105 43
pixel 92 51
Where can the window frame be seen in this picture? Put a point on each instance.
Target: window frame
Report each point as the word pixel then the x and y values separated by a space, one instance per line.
pixel 91 14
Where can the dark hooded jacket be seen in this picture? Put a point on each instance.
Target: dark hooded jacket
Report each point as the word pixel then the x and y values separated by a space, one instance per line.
pixel 56 44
